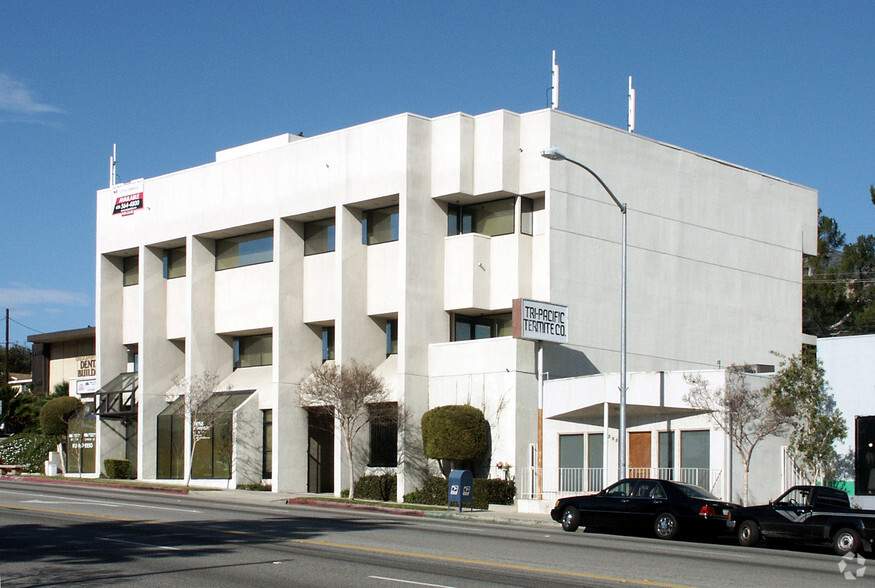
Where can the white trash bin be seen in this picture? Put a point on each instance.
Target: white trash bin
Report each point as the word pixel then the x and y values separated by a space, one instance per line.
pixel 51 468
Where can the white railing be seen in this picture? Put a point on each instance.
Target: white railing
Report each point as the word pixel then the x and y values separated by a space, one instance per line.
pixel 791 473
pixel 572 481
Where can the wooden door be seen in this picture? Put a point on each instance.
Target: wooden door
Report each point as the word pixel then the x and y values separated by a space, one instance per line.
pixel 638 465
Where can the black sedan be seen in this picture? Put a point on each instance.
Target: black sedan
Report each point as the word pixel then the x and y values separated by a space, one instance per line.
pixel 641 503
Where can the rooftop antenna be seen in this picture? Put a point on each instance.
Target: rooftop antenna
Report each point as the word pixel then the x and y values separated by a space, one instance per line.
pixel 113 178
pixel 554 100
pixel 630 126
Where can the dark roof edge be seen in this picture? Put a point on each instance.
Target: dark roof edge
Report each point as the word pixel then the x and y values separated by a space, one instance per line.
pixel 58 336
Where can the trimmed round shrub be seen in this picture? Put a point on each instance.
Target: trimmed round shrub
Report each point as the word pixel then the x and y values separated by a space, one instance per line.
pixel 456 432
pixel 55 413
pixel 117 469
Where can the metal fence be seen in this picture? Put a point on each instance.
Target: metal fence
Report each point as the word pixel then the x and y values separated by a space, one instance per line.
pixel 572 481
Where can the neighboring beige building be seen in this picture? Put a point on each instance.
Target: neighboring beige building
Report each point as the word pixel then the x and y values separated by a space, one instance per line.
pixel 69 356
pixel 402 243
pixel 64 356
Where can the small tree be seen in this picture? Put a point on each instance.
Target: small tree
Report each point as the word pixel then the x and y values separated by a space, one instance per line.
pixel 201 414
pixel 346 392
pixel 455 435
pixel 746 415
pixel 801 389
pixel 55 415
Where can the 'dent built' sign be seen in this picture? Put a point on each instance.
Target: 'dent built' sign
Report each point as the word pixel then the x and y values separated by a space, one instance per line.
pixel 128 197
pixel 540 321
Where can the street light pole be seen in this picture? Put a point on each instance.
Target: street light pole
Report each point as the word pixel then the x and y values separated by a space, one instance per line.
pixel 555 155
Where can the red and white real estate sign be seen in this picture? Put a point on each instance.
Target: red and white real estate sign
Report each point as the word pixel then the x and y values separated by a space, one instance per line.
pixel 128 197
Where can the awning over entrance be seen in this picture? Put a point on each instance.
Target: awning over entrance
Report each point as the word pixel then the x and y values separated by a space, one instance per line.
pixel 117 399
pixel 652 397
pixel 636 414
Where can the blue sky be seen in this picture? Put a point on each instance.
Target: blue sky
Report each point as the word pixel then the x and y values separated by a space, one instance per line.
pixel 787 88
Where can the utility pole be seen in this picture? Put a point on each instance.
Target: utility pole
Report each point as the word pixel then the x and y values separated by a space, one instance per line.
pixel 6 363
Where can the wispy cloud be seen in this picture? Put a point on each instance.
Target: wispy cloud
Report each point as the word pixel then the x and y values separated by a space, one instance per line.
pixel 19 103
pixel 21 296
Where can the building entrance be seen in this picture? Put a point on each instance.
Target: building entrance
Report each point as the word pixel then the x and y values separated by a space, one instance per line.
pixel 320 450
pixel 639 455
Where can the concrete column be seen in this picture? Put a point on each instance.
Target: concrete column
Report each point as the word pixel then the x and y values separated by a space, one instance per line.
pixel 110 350
pixel 161 360
pixel 295 347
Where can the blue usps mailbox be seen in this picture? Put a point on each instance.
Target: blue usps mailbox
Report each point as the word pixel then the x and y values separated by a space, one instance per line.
pixel 461 488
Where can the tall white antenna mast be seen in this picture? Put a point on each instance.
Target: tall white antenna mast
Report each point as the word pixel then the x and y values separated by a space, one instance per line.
pixel 630 126
pixel 113 178
pixel 554 100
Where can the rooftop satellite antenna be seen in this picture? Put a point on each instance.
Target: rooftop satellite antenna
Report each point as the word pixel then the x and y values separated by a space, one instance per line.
pixel 113 177
pixel 554 99
pixel 630 125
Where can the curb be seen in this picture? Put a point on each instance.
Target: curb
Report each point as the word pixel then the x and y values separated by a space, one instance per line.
pixel 386 509
pixel 95 484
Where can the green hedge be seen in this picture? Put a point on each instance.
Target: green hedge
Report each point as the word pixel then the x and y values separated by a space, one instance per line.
pixel 117 469
pixel 383 488
pixel 486 492
pixel 27 449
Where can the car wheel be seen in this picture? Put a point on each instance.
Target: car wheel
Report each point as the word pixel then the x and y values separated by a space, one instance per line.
pixel 748 534
pixel 846 541
pixel 665 526
pixel 570 519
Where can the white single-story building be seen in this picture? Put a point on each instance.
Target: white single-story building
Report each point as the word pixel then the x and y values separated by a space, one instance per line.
pixel 667 438
pixel 402 243
pixel 849 366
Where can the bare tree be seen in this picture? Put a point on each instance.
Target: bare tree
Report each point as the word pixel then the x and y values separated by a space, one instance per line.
pixel 745 414
pixel 353 394
pixel 200 413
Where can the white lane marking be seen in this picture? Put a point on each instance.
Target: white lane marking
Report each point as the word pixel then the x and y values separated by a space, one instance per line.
pixel 141 544
pixel 74 500
pixel 400 581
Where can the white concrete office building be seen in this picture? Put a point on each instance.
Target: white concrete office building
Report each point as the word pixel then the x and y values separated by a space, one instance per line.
pixel 402 243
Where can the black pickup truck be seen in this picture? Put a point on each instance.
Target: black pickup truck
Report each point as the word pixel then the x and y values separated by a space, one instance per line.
pixel 808 514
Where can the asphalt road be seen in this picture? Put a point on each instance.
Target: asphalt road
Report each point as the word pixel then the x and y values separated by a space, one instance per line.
pixel 65 535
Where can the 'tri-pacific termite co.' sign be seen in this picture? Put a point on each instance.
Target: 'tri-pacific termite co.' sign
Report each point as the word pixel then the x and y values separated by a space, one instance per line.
pixel 128 197
pixel 540 321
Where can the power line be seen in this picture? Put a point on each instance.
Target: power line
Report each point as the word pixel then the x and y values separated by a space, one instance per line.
pixel 12 320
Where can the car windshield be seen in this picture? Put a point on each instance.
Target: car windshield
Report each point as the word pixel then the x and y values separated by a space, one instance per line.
pixel 695 491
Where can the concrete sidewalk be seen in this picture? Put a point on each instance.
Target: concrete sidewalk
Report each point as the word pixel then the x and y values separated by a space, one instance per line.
pixel 506 515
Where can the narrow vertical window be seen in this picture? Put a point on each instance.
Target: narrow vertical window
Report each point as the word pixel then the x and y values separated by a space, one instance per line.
pixel 131 270
pixel 392 337
pixel 174 263
pixel 267 445
pixel 527 207
pixel 454 216
pixel 327 343
pixel 666 454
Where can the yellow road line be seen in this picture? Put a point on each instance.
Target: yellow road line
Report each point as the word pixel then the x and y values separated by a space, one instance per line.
pixel 478 562
pixel 445 558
